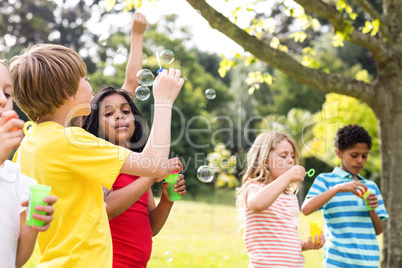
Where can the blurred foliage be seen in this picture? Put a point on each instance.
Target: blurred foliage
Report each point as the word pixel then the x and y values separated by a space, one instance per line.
pixel 222 162
pixel 337 112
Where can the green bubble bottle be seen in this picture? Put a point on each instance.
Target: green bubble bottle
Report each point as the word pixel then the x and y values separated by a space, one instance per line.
pixel 172 179
pixel 38 193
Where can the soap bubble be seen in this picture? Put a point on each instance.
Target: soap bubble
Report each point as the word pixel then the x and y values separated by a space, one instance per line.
pixel 167 56
pixel 122 51
pixel 144 58
pixel 205 174
pixel 102 41
pixel 198 11
pixel 184 78
pixel 168 256
pixel 142 93
pixel 145 77
pixel 210 94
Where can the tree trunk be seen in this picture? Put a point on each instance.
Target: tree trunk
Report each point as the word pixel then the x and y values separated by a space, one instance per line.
pixel 390 129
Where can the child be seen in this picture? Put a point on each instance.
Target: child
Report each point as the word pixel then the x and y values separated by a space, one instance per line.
pixel 133 216
pixel 270 210
pixel 17 239
pixel 350 229
pixel 51 88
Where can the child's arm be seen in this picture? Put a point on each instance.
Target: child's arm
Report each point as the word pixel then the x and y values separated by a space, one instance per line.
pixel 134 63
pixel 27 239
pixel 153 161
pixel 260 199
pixel 120 200
pixel 10 139
pixel 314 203
pixel 372 200
pixel 158 215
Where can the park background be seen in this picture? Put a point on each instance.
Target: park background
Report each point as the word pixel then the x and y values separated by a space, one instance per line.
pixel 251 97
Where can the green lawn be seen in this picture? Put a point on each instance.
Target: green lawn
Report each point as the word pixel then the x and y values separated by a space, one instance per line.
pixel 205 235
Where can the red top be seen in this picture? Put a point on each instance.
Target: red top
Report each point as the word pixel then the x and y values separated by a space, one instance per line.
pixel 131 231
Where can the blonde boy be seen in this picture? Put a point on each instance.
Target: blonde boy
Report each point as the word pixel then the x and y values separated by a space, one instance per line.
pixel 51 88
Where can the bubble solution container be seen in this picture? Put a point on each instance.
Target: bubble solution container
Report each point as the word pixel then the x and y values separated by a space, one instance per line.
pixel 172 179
pixel 365 195
pixel 315 229
pixel 38 193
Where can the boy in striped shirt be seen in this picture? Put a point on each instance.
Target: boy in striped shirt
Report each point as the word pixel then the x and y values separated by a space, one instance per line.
pixel 351 228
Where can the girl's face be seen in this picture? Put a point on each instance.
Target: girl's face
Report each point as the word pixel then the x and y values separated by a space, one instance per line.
pixel 353 159
pixel 116 120
pixel 6 87
pixel 281 159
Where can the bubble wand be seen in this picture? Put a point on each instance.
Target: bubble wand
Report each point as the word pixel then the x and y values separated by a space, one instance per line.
pixel 159 62
pixel 311 172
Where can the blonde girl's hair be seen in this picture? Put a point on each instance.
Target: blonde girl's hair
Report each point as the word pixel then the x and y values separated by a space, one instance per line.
pixel 256 169
pixel 44 76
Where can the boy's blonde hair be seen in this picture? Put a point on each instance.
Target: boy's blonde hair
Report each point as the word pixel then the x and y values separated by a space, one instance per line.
pixel 44 76
pixel 256 170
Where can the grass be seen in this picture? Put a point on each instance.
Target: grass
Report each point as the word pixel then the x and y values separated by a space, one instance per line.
pixel 205 235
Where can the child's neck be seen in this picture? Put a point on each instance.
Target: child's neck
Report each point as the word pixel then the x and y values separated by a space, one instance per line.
pixel 59 116
pixel 355 177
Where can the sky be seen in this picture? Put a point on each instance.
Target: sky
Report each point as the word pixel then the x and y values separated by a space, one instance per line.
pixel 187 16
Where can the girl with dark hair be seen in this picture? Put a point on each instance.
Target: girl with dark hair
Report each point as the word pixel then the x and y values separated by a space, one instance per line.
pixel 133 216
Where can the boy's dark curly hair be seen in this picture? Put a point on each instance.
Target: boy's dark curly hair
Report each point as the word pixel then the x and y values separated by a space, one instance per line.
pixel 349 135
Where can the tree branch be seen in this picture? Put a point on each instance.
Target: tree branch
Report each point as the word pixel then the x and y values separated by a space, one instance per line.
pixel 369 9
pixel 330 13
pixel 284 62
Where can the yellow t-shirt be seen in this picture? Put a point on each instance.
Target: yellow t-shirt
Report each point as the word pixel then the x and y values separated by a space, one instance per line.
pixel 75 164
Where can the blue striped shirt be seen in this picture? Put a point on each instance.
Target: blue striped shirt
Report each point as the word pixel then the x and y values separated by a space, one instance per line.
pixel 350 235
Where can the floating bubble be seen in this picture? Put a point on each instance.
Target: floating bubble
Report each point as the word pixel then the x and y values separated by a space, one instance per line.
pixel 145 77
pixel 210 94
pixel 102 41
pixel 205 174
pixel 122 51
pixel 184 78
pixel 168 256
pixel 198 11
pixel 142 93
pixel 167 56
pixel 144 58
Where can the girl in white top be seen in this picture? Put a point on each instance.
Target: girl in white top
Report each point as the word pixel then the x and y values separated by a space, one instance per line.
pixel 268 205
pixel 17 239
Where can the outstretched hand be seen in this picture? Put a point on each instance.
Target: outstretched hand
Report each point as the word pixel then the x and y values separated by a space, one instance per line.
pixel 139 24
pixel 167 86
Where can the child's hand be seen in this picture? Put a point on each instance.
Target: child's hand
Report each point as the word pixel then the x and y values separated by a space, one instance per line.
pixel 372 200
pixel 10 138
pixel 45 218
pixel 296 173
pixel 179 187
pixel 354 186
pixel 139 24
pixel 310 245
pixel 167 86
pixel 174 164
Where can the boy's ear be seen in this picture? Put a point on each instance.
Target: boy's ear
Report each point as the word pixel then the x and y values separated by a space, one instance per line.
pixel 338 153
